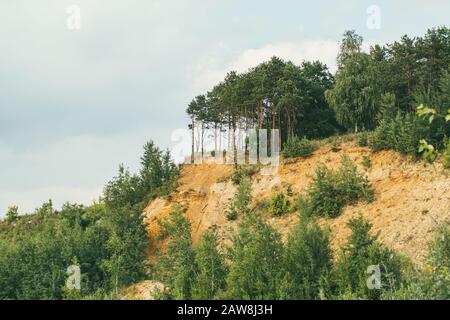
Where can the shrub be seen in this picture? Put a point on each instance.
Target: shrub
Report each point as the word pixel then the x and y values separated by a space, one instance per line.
pixel 446 156
pixel 307 263
pixel 331 191
pixel 363 139
pixel 279 205
pixel 241 200
pixel 12 215
pixel 433 281
pixel 232 215
pixel 402 133
pixel 361 252
pixel 243 172
pixel 255 259
pixel 335 145
pixel 176 267
pixel 210 277
pixel 296 147
pixel 366 162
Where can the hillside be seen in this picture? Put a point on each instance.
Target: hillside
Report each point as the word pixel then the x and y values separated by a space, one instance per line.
pixel 411 198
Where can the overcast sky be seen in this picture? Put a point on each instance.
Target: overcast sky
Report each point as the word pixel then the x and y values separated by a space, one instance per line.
pixel 76 103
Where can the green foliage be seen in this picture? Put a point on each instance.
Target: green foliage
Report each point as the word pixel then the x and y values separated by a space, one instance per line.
pixel 363 139
pixel 330 191
pixel 362 251
pixel 177 267
pixel 255 258
pixel 427 150
pixel 212 271
pixel 402 133
pixel 127 243
pixel 155 178
pixel 307 263
pixel 12 215
pixel 356 93
pixel 157 169
pixel 108 239
pixel 432 282
pixel 366 162
pixel 243 172
pixel 241 200
pixel 388 107
pixel 335 145
pixel 279 205
pixel 123 189
pixel 296 147
pixel 34 261
pixel 446 156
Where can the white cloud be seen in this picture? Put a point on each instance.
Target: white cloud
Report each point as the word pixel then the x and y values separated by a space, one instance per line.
pixel 73 169
pixel 211 69
pixel 29 200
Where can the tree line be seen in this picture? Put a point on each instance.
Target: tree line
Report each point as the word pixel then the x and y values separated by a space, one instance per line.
pixel 107 240
pixel 308 101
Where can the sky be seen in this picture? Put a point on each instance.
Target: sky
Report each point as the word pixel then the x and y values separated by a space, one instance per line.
pixel 85 83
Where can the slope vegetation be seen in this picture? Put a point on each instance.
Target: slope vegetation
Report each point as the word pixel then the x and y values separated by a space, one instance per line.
pixel 411 198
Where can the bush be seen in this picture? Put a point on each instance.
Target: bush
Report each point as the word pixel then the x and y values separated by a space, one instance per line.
pixel 212 271
pixel 361 252
pixel 363 139
pixel 307 263
pixel 296 147
pixel 243 172
pixel 255 259
pixel 366 162
pixel 402 133
pixel 241 200
pixel 331 191
pixel 433 281
pixel 446 156
pixel 232 215
pixel 177 267
pixel 279 205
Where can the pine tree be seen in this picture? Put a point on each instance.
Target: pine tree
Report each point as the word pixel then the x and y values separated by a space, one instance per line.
pixel 256 258
pixel 176 267
pixel 307 263
pixel 210 277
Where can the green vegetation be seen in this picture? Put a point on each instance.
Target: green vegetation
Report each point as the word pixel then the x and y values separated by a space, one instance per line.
pixel 258 265
pixel 307 264
pixel 107 240
pixel 330 191
pixel 176 267
pixel 446 157
pixel 12 215
pixel 256 256
pixel 431 282
pixel 241 200
pixel 379 91
pixel 362 251
pixel 279 205
pixel 366 162
pixel 401 133
pixel 399 92
pixel 244 171
pixel 295 148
